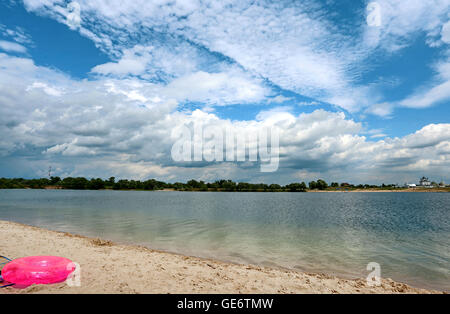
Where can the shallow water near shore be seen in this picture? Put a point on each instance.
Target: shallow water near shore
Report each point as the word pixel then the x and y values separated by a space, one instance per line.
pixel 408 234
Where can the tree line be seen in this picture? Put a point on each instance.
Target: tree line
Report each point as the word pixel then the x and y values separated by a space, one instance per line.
pixel 81 183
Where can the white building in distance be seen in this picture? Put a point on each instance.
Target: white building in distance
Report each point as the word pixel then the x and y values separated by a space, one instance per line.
pixel 424 182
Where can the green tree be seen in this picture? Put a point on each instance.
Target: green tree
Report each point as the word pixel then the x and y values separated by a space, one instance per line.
pixel 55 180
pixel 96 184
pixel 275 187
pixel 75 183
pixel 321 185
pixel 297 187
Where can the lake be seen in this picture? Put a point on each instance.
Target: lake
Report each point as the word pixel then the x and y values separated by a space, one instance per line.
pixel 408 234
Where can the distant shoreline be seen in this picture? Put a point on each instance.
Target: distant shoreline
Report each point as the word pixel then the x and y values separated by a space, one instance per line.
pixel 81 183
pixel 412 190
pixel 381 190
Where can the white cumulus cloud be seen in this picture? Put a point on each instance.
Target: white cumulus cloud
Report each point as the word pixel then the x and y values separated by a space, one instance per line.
pixel 9 46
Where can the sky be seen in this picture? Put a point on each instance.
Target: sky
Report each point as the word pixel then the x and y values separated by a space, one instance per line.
pixel 359 91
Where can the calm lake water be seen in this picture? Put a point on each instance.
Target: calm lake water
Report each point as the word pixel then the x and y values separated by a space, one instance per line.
pixel 408 234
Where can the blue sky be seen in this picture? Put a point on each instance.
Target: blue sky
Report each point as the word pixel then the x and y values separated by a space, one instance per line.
pixel 52 43
pixel 383 86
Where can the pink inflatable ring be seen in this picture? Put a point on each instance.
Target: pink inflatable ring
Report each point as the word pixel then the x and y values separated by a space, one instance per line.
pixel 26 271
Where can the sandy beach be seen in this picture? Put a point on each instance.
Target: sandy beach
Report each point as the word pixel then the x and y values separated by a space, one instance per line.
pixel 107 267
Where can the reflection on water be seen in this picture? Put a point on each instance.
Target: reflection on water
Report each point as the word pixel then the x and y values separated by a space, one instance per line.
pixel 408 234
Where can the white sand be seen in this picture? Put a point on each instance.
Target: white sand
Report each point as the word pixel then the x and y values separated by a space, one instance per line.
pixel 110 268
